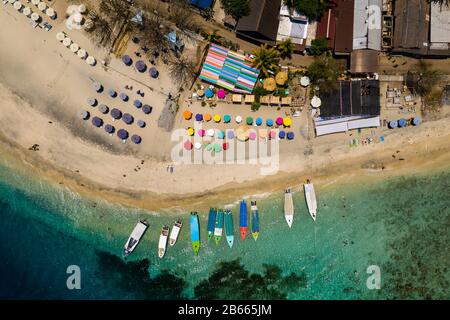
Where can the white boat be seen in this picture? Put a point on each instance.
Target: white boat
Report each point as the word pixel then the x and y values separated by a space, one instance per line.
pixel 310 196
pixel 288 207
pixel 175 232
pixel 162 245
pixel 135 237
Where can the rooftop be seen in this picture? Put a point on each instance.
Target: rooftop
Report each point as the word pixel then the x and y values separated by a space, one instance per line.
pixel 367 25
pixel 344 12
pixel 440 23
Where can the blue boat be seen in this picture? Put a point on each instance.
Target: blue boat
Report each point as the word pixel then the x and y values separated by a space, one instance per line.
pixel 195 232
pixel 229 232
pixel 218 231
pixel 243 224
pixel 211 222
pixel 255 220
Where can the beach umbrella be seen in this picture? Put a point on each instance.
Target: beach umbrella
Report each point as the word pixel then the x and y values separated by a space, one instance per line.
pixel 270 84
pixel 217 118
pixel 230 134
pixel 12 1
pixel 226 118
pixel 136 139
pixel 97 86
pixel 252 135
pixel 402 123
pixel 112 93
pixel 290 135
pixel 35 2
pixel 272 134
pixel 393 124
pixel 91 61
pixel 96 121
pixel 92 102
pixel 82 53
pixel 207 117
pixel 217 147
pixel 225 145
pixel 221 134
pixel 200 92
pixel 127 118
pixel 249 121
pixel 187 115
pixel 147 109
pixel 74 47
pixel 282 134
pixel 17 5
pixel 221 94
pixel 26 11
pixel 103 108
pixel 316 102
pixel 51 13
pixel 279 121
pixel 242 133
pixel 126 59
pixel 109 129
pixel 82 8
pixel 197 145
pixel 190 131
pixel 35 17
pixel 123 96
pixel 77 18
pixel 141 66
pixel 208 147
pixel 84 114
pixel 238 119
pixel 304 81
pixel 42 6
pixel 60 36
pixel 281 78
pixel 263 133
pixel 122 134
pixel 116 113
pixel 258 121
pixel 210 132
pixel 287 122
pixel 416 121
pixel 188 145
pixel 199 117
pixel 209 93
pixel 201 133
pixel 153 72
pixel 67 42
pixel 269 122
pixel 137 103
pixel 141 123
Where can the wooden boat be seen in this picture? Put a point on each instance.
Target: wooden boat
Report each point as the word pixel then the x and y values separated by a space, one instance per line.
pixel 255 220
pixel 288 207
pixel 195 232
pixel 243 224
pixel 135 237
pixel 310 196
pixel 229 229
pixel 162 245
pixel 218 230
pixel 211 222
pixel 175 232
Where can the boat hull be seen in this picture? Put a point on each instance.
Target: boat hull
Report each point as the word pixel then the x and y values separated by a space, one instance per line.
pixel 288 207
pixel 243 232
pixel 229 230
pixel 211 222
pixel 310 196
pixel 243 224
pixel 195 234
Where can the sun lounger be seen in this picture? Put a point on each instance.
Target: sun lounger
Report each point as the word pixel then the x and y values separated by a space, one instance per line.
pixel 274 100
pixel 265 100
pixel 249 98
pixel 237 98
pixel 286 101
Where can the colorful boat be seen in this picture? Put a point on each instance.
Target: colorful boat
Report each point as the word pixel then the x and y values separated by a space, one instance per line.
pixel 195 232
pixel 162 245
pixel 255 220
pixel 175 232
pixel 243 225
pixel 135 237
pixel 288 207
pixel 229 232
pixel 211 222
pixel 218 230
pixel 310 196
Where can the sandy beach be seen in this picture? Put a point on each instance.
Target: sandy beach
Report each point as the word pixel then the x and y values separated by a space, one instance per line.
pixel 43 110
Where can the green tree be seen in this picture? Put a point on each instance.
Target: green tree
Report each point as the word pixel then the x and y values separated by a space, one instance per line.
pixel 286 48
pixel 236 8
pixel 324 72
pixel 424 78
pixel 313 9
pixel 318 46
pixel 182 70
pixel 266 59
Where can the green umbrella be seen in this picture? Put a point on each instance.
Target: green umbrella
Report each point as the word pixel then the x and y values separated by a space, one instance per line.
pixel 208 147
pixel 217 147
pixel 226 118
pixel 249 121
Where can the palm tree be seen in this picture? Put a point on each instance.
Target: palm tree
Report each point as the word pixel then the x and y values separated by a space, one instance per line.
pixel 118 12
pixel 101 31
pixel 290 4
pixel 286 48
pixel 212 37
pixel 153 35
pixel 182 71
pixel 266 59
pixel 424 78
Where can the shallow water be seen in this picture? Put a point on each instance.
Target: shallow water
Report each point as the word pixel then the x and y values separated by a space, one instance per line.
pixel 400 225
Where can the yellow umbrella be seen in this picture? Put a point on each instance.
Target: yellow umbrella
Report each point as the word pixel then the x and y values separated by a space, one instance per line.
pixel 270 84
pixel 281 78
pixel 287 122
pixel 190 131
pixel 263 133
pixel 217 118
pixel 207 117
pixel 200 93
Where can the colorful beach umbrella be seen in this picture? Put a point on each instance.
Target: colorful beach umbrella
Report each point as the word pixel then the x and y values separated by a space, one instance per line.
pixel 393 124
pixel 137 103
pixel 270 84
pixel 402 123
pixel 217 148
pixel 123 96
pixel 208 147
pixel 279 121
pixel 126 59
pixel 238 119
pixel 201 132
pixel 188 145
pixel 109 129
pixel 141 123
pixel 230 134
pixel 116 113
pixel 226 118
pixel 153 72
pixel 92 102
pixel 281 78
pixel 136 139
pixel 147 109
pixel 122 134
pixel 190 131
pixel 263 133
pixel 290 135
pixel 269 122
pixel 103 108
pixel 209 93
pixel 199 117
pixel 287 121
pixel 249 121
pixel 282 134
pixel 197 145
pixel 225 145
pixel 210 132
pixel 416 121
pixel 207 117
pixel 217 118
pixel 127 118
pixel 112 93
pixel 258 121
pixel 221 134
pixel 272 134
pixel 187 115
pixel 252 135
pixel 221 94
pixel 140 66
pixel 96 121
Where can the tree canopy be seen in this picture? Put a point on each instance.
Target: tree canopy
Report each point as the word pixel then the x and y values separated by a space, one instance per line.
pixel 313 9
pixel 324 72
pixel 236 8
pixel 318 46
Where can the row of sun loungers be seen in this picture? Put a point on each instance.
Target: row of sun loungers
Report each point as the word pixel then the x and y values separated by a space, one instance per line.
pixel 265 100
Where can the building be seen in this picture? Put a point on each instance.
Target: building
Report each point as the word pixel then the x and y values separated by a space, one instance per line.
pixel 367 25
pixel 344 11
pixel 293 25
pixel 202 4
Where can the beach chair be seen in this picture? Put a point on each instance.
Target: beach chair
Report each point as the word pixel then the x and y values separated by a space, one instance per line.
pixel 274 100
pixel 265 100
pixel 249 98
pixel 286 101
pixel 237 98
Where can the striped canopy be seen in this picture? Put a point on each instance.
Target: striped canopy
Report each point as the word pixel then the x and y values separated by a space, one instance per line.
pixel 229 69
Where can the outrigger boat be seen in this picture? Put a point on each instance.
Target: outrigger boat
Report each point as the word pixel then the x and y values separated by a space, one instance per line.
pixel 310 196
pixel 288 207
pixel 162 245
pixel 135 237
pixel 195 232
pixel 255 220
pixel 211 222
pixel 218 230
pixel 175 232
pixel 229 232
pixel 243 224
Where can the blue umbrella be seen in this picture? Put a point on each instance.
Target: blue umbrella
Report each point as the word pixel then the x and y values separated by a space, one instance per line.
pixel 199 117
pixel 112 93
pixel 290 135
pixel 416 121
pixel 123 96
pixel 110 129
pixel 136 139
pixel 96 121
pixel 98 86
pixel 103 108
pixel 141 123
pixel 84 114
pixel 122 134
pixel 393 124
pixel 141 66
pixel 258 121
pixel 269 122
pixel 209 93
pixel 127 118
pixel 147 109
pixel 92 102
pixel 282 134
pixel 127 60
pixel 402 123
pixel 230 134
pixel 116 113
pixel 137 103
pixel 153 72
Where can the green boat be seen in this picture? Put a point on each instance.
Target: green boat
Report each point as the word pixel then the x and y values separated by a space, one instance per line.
pixel 195 232
pixel 218 230
pixel 229 232
pixel 211 222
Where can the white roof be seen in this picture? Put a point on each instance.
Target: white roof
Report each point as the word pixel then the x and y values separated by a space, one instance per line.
pixel 345 124
pixel 367 25
pixel 440 23
pixel 296 30
pixel 364 123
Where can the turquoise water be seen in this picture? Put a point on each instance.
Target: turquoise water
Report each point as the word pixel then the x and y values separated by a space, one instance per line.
pixel 400 224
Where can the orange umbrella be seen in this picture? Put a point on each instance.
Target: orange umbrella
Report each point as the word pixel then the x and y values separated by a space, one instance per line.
pixel 187 115
pixel 270 84
pixel 281 78
pixel 207 117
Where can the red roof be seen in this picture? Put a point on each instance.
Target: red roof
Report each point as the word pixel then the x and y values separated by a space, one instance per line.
pixel 326 27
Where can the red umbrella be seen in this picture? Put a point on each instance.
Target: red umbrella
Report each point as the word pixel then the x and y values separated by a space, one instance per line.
pixel 225 146
pixel 188 145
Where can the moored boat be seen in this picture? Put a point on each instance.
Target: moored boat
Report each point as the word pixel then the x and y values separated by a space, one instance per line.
pixel 229 231
pixel 243 224
pixel 310 196
pixel 288 207
pixel 162 245
pixel 175 232
pixel 211 222
pixel 218 230
pixel 255 220
pixel 135 237
pixel 195 232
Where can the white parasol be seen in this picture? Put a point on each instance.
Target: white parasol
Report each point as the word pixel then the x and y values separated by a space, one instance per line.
pixel 60 36
pixel 74 47
pixel 50 12
pixel 42 6
pixel 81 8
pixel 17 5
pixel 90 60
pixel 238 119
pixel 67 42
pixel 11 1
pixel 35 16
pixel 77 18
pixel 26 11
pixel 82 53
pixel 304 81
pixel 316 102
pixel 35 2
pixel 210 132
pixel 197 145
